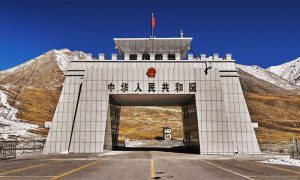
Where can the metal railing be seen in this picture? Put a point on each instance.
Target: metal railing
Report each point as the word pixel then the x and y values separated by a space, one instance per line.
pixel 9 149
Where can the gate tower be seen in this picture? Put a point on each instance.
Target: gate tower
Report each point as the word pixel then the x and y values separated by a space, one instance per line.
pixel 146 72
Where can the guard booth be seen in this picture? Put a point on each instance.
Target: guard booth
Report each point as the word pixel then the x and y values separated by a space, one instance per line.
pixel 167 133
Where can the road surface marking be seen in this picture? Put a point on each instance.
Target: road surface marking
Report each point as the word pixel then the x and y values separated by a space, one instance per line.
pixel 74 170
pixel 246 177
pixel 25 168
pixel 278 176
pixel 283 169
pixel 21 169
pixel 25 176
pixel 152 173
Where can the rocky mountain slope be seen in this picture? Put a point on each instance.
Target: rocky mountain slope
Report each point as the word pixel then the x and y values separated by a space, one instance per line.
pixel 33 89
pixel 45 71
pixel 30 92
pixel 289 71
pixel 10 125
pixel 253 84
pixel 268 76
pixel 276 110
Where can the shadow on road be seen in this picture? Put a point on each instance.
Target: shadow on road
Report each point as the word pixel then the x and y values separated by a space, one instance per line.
pixel 177 149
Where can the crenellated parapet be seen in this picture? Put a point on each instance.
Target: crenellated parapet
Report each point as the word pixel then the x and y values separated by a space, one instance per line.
pixel 158 57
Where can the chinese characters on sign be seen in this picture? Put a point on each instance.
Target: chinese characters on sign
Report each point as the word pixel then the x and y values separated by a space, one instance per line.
pixel 151 87
pixel 178 87
pixel 138 88
pixel 111 87
pixel 165 87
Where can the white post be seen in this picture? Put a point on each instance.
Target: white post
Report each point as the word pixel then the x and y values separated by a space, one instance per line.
pixel 114 56
pixel 177 56
pixel 126 56
pixel 190 57
pixel 203 57
pixel 165 56
pixel 152 56
pixel 139 56
pixel 215 56
pixel 228 57
pixel 101 56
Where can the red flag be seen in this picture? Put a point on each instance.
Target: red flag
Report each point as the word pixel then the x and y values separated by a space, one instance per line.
pixel 153 21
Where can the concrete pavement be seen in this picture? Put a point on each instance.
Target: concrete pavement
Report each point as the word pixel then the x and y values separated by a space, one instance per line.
pixel 140 165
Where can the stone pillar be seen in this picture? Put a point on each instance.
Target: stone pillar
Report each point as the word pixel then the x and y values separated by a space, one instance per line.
pixel 190 57
pixel 89 56
pixel 114 56
pixel 152 56
pixel 228 57
pixel 165 56
pixel 101 56
pixel 126 56
pixel 177 56
pixel 215 56
pixel 203 57
pixel 139 57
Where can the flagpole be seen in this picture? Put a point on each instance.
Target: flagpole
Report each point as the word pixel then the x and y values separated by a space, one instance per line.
pixel 151 26
pixel 152 32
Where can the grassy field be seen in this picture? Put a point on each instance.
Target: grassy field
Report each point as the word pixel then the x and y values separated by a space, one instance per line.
pixel 146 122
pixel 278 118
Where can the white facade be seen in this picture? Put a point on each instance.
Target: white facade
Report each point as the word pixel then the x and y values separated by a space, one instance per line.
pixel 215 114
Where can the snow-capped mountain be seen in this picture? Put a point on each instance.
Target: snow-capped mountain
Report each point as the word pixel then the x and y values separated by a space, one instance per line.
pixel 268 76
pixel 62 57
pixel 289 71
pixel 46 70
pixel 10 125
pixel 29 92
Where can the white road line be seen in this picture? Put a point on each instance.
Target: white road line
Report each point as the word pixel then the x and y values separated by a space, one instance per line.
pixel 241 175
pixel 278 176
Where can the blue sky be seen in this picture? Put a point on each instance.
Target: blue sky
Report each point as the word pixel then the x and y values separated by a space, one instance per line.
pixel 265 32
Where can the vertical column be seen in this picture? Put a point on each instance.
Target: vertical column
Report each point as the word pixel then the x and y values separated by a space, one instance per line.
pixel 108 128
pixel 243 134
pixel 90 121
pixel 177 56
pixel 190 125
pixel 58 138
pixel 152 56
pixel 214 133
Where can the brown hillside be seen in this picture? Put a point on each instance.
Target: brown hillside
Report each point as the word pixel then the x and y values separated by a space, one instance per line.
pixel 34 88
pixel 278 118
pixel 276 110
pixel 146 122
pixel 42 71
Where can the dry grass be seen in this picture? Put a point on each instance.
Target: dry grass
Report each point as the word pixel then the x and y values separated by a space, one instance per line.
pixel 35 105
pixel 146 122
pixel 278 117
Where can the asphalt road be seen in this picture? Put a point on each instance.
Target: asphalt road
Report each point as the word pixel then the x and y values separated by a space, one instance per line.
pixel 144 165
